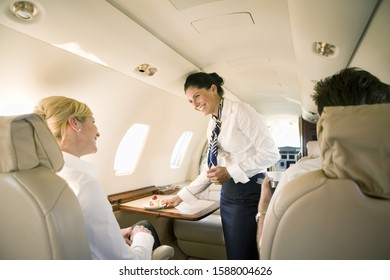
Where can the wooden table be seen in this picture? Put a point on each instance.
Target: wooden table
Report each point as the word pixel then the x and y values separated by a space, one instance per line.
pixel 183 211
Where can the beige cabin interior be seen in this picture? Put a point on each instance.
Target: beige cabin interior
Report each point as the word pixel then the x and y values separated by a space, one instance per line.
pixel 265 50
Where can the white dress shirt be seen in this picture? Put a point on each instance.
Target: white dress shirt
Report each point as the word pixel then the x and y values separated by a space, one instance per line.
pixel 245 147
pixel 104 234
pixel 302 167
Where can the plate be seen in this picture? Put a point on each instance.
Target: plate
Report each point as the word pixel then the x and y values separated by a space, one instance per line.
pixel 147 207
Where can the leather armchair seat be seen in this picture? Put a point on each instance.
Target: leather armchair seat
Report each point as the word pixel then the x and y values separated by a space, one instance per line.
pixel 202 239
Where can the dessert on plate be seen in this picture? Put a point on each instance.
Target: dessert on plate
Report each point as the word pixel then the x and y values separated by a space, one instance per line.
pixel 154 201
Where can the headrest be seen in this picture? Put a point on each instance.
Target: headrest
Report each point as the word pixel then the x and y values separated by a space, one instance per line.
pixel 355 144
pixel 26 142
pixel 313 149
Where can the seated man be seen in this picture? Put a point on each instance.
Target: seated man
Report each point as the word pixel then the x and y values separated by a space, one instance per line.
pixel 351 86
pixel 309 163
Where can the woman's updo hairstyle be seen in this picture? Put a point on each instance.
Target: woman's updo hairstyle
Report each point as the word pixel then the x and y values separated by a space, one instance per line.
pixel 56 110
pixel 204 80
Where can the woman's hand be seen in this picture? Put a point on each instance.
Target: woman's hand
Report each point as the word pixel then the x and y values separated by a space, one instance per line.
pixel 128 233
pixel 171 201
pixel 218 175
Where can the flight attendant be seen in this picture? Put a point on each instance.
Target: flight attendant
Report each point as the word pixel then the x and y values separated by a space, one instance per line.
pixel 240 150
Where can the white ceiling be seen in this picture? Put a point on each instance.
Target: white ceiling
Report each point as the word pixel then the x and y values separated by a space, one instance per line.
pixel 263 49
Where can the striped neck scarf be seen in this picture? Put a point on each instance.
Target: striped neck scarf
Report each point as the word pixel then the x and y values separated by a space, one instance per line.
pixel 213 147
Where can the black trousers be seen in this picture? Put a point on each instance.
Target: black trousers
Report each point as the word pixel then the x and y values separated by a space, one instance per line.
pixel 238 208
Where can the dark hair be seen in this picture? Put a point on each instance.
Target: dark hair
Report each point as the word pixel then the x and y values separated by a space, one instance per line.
pixel 204 80
pixel 350 86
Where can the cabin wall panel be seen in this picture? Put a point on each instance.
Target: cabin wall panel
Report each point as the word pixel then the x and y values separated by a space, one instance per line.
pixel 32 69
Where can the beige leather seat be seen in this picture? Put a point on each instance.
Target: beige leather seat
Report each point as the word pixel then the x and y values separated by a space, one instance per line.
pixel 40 217
pixel 343 210
pixel 203 239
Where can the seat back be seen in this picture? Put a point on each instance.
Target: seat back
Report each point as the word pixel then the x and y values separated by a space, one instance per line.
pixel 313 149
pixel 343 210
pixel 40 217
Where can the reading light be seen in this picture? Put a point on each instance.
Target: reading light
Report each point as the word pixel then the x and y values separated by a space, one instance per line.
pixel 146 69
pixel 151 71
pixel 24 10
pixel 324 49
pixel 142 68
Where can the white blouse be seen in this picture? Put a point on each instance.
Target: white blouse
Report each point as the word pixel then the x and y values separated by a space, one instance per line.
pixel 245 147
pixel 104 234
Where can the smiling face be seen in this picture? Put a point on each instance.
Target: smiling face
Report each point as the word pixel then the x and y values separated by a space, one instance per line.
pixel 87 136
pixel 204 100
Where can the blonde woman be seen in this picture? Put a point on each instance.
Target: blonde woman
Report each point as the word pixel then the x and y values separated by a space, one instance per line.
pixel 73 125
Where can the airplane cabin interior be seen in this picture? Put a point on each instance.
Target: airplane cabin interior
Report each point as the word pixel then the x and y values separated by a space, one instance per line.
pixel 128 61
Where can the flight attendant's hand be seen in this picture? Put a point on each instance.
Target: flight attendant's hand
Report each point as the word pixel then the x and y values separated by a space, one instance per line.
pixel 171 201
pixel 218 175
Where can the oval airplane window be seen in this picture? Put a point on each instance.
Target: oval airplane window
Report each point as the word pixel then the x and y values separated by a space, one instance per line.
pixel 180 149
pixel 130 149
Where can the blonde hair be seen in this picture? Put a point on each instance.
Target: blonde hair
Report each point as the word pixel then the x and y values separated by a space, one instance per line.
pixel 56 110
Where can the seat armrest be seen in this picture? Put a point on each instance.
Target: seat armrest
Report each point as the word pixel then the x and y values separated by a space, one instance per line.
pixel 163 252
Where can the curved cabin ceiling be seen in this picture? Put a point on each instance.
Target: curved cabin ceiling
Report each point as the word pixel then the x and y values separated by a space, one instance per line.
pixel 247 42
pixel 263 49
